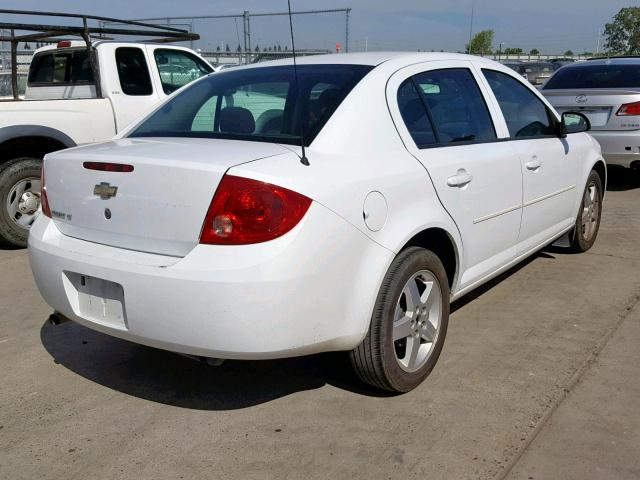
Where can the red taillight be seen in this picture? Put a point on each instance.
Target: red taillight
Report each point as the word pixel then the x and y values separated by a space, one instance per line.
pixel 629 109
pixel 247 211
pixel 108 167
pixel 64 43
pixel 44 201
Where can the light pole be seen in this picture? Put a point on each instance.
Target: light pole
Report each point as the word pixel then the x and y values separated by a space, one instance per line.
pixel 500 51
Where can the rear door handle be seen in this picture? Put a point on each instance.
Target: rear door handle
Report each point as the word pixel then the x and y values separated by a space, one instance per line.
pixel 460 179
pixel 533 164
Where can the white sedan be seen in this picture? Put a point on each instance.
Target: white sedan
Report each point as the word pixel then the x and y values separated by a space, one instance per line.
pixel 203 229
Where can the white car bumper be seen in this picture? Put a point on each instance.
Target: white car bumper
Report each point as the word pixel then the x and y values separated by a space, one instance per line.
pixel 311 290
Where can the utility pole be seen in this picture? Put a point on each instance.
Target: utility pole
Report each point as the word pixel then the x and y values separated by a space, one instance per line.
pixel 366 44
pixel 473 5
pixel 346 33
pixel 598 43
pixel 500 51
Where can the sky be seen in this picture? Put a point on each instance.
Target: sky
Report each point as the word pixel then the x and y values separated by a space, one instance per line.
pixel 551 26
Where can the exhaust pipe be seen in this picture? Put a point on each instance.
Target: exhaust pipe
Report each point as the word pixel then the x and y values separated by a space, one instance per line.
pixel 56 318
pixel 212 362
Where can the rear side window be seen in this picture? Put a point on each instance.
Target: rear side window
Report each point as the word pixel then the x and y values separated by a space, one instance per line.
pixel 133 72
pixel 453 102
pixel 596 76
pixel 60 68
pixel 415 115
pixel 524 112
pixel 177 68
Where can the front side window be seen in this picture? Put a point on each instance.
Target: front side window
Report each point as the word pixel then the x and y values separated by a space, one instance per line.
pixel 61 67
pixel 526 115
pixel 133 72
pixel 177 68
pixel 261 104
pixel 456 105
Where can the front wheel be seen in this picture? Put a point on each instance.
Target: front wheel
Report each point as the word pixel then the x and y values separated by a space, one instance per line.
pixel 587 224
pixel 408 325
pixel 19 199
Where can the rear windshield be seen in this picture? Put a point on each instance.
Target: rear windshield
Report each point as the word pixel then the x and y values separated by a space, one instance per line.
pixel 61 67
pixel 596 76
pixel 261 104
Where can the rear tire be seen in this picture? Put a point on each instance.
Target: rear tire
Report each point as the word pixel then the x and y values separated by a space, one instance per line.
pixel 585 231
pixel 408 325
pixel 19 199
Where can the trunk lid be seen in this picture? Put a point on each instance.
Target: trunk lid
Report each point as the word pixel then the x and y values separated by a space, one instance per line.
pixel 599 105
pixel 158 207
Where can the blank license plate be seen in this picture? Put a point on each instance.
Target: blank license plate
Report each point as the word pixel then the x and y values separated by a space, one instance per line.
pixel 98 300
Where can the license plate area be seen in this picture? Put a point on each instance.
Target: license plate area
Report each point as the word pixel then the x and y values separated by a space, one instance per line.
pixel 96 299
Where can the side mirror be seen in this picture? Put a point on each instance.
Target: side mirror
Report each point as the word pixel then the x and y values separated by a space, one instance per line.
pixel 574 122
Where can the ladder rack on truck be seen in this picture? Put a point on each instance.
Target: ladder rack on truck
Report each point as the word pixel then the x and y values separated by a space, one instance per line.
pixel 52 33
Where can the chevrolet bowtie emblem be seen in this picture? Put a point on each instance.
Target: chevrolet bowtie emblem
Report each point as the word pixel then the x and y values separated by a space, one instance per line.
pixel 105 191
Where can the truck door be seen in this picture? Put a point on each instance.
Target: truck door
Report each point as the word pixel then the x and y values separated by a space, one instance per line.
pixel 132 92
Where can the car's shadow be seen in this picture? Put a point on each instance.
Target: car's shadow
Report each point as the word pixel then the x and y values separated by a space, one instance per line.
pixel 620 179
pixel 169 378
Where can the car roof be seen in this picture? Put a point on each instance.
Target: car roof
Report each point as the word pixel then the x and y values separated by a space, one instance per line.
pixel 370 58
pixel 607 61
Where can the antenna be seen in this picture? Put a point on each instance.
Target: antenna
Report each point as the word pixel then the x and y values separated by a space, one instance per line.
pixel 304 160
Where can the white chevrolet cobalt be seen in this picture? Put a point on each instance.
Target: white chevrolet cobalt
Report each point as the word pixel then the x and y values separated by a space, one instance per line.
pixel 203 229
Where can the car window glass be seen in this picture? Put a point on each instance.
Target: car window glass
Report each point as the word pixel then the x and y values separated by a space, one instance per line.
pixel 177 68
pixel 415 115
pixel 456 104
pixel 609 75
pixel 523 111
pixel 262 104
pixel 133 71
pixel 72 66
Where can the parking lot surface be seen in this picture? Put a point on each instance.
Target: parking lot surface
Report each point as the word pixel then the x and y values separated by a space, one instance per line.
pixel 539 378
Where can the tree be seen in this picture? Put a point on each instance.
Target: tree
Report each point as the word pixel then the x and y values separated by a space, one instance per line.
pixel 257 49
pixel 239 49
pixel 623 34
pixel 218 48
pixel 534 51
pixel 227 48
pixel 481 43
pixel 568 53
pixel 513 51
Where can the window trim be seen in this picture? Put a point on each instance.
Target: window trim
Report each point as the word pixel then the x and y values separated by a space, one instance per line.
pixel 38 55
pixel 434 127
pixel 550 116
pixel 146 62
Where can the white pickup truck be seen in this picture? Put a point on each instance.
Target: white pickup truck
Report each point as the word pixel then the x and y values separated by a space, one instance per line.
pixel 65 104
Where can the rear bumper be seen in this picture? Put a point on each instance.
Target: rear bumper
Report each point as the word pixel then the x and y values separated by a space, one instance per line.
pixel 311 290
pixel 619 148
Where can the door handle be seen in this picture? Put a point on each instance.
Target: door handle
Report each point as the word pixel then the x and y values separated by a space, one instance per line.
pixel 533 164
pixel 460 179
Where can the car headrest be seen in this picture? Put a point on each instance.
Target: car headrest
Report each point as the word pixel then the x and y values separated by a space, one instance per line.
pixel 236 120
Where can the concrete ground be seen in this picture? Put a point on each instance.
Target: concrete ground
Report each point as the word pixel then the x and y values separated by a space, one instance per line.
pixel 539 379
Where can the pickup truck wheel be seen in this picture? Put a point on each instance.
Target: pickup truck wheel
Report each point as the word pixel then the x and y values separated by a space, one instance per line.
pixel 587 225
pixel 408 325
pixel 19 199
